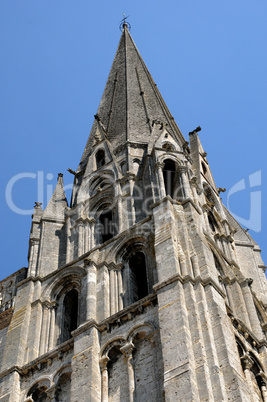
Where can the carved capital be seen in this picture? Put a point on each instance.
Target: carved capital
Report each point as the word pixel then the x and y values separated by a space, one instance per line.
pixel 159 165
pixel 103 362
pixel 247 362
pixel 183 169
pixel 127 350
pixel 246 282
pixel 86 262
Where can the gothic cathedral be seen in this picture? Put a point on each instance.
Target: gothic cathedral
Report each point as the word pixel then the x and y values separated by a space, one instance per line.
pixel 144 288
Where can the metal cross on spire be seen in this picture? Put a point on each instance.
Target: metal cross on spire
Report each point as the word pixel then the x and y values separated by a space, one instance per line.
pixel 124 23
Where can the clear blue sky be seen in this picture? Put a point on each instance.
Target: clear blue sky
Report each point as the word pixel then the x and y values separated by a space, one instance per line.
pixel 208 59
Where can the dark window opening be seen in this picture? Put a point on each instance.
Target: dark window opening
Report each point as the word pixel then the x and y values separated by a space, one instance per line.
pixel 70 314
pixel 138 276
pixel 257 381
pixel 123 168
pixel 40 395
pixel 100 158
pixel 169 176
pixel 212 222
pixel 204 168
pixel 106 226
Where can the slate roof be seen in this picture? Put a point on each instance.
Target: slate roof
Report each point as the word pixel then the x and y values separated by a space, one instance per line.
pixel 131 101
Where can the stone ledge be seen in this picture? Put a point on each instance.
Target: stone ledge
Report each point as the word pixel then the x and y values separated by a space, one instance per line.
pixel 36 364
pixel 177 277
pixel 119 318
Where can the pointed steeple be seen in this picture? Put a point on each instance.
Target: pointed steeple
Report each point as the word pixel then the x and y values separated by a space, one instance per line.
pixel 131 101
pixel 56 207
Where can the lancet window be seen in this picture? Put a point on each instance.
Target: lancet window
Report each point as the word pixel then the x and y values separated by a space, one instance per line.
pixel 212 222
pixel 204 169
pixel 173 180
pixel 100 158
pixel 138 276
pixel 135 278
pixel 70 313
pixel 169 176
pixel 106 227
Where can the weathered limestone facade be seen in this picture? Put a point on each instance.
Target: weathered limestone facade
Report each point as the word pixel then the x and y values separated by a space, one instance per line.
pixel 145 288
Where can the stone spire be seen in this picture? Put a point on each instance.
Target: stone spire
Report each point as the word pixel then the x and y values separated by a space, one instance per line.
pixel 131 102
pixel 56 207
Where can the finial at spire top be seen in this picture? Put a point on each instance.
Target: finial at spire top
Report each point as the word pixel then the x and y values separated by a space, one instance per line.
pixel 124 23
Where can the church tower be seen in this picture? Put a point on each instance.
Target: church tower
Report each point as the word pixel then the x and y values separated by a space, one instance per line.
pixel 144 288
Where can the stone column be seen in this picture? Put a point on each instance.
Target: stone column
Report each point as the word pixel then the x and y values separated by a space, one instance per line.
pixel 86 237
pixel 120 290
pixel 92 232
pixel 112 291
pixel 80 239
pixel 247 363
pixel 120 214
pixel 52 326
pixel 193 182
pixel 251 309
pixel 33 257
pixel 116 291
pixel 131 178
pixel 195 266
pixel 91 272
pixel 127 350
pixel 44 339
pixel 263 385
pixel 68 240
pixel 104 378
pixel 182 171
pixel 183 267
pixel 159 169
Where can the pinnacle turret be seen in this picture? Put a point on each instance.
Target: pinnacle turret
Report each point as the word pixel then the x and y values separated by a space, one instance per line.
pixel 58 202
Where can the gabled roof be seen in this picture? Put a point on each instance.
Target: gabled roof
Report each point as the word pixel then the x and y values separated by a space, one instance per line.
pixel 131 101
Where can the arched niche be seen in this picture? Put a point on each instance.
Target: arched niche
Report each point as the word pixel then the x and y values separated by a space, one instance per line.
pixel 38 392
pixel 63 392
pixel 100 184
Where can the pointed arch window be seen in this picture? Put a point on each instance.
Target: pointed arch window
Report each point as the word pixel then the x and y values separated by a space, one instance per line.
pixel 138 276
pixel 100 158
pixel 70 314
